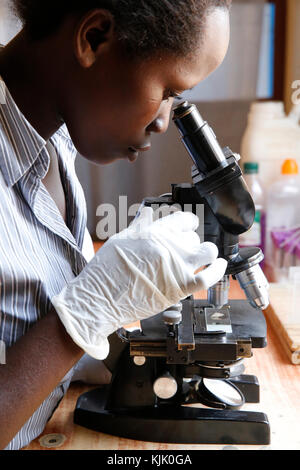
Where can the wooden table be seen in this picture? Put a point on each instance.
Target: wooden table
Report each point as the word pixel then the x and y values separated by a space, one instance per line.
pixel 280 400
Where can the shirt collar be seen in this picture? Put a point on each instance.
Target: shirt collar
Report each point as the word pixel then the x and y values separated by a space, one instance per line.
pixel 20 142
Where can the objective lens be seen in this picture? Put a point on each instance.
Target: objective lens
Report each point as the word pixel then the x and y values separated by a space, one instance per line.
pixel 218 294
pixel 255 286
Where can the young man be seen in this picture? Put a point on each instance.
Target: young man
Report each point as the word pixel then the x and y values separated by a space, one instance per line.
pixel 97 77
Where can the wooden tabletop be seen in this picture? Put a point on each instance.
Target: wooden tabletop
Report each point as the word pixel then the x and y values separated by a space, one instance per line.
pixel 279 389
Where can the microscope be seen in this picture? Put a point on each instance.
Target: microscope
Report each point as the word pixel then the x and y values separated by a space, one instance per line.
pixel 181 376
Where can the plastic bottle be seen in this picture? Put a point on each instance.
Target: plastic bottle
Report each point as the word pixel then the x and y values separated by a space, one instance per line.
pixel 283 223
pixel 271 136
pixel 256 235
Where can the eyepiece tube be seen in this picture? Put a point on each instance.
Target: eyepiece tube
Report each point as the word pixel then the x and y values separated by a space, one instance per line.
pixel 198 138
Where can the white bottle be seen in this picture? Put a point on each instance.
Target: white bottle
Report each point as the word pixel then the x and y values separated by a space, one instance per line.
pixel 271 134
pixel 256 235
pixel 283 223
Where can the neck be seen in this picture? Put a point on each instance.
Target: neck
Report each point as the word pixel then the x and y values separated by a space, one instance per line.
pixel 26 67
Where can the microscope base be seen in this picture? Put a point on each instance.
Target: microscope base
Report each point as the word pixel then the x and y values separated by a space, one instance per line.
pixel 172 424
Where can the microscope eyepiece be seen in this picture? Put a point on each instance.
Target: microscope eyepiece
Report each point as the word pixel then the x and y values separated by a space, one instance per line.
pixel 198 138
pixel 184 109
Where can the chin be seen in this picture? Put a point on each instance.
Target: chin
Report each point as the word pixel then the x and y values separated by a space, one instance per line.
pixel 101 155
pixel 104 159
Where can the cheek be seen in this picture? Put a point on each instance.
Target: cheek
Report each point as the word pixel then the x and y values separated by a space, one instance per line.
pixel 106 123
pixel 120 115
pixel 129 122
pixel 133 103
pixel 142 115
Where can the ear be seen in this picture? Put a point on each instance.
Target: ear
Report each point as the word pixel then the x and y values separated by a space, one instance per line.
pixel 93 35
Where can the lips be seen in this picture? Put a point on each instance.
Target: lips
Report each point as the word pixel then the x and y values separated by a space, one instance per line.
pixel 142 148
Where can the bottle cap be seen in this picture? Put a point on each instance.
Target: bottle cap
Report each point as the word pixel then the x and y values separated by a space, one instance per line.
pixel 289 167
pixel 251 167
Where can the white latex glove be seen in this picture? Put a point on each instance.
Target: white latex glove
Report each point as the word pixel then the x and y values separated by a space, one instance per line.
pixel 138 273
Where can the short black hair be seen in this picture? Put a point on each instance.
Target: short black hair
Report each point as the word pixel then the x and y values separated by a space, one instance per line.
pixel 143 26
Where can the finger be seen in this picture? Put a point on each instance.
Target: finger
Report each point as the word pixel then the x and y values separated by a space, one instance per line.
pixel 189 241
pixel 209 276
pixel 207 253
pixel 179 221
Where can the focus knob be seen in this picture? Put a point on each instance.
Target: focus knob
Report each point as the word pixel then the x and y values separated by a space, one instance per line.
pixel 173 316
pixel 165 386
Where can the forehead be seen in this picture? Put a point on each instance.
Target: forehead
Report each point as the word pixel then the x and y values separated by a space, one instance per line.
pixel 208 54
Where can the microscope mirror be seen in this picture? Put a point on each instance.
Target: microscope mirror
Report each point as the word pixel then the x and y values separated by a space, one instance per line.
pixel 220 394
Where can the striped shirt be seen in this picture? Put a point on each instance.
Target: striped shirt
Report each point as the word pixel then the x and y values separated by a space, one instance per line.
pixel 39 252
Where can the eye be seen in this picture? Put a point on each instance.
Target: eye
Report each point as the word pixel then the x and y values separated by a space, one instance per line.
pixel 171 94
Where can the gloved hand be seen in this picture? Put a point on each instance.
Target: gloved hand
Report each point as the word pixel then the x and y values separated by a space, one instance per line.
pixel 136 274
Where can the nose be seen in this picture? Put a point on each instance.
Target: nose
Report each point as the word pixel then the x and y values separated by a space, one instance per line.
pixel 160 123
